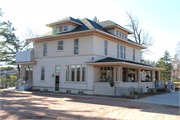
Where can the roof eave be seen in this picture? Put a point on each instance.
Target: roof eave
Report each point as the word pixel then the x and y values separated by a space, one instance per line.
pixel 60 22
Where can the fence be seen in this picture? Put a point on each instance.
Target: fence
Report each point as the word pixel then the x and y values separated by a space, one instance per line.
pixel 127 92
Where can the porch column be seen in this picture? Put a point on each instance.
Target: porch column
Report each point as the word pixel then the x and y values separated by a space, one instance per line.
pixel 120 74
pixel 158 78
pixel 114 74
pixel 139 75
pixel 152 77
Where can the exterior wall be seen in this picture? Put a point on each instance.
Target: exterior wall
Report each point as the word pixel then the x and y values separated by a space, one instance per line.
pixel 70 27
pixel 103 88
pixel 112 49
pixel 112 31
pixel 85 47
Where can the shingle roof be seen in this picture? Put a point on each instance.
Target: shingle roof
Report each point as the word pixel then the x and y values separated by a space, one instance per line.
pixel 109 59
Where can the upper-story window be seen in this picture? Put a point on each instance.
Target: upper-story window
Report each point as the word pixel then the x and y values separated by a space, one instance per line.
pixel 65 28
pixel 60 29
pixel 120 34
pixel 123 35
pixel 76 46
pixel 121 51
pixel 117 32
pixel 60 45
pixel 44 49
pixel 105 47
pixel 57 68
pixel 133 54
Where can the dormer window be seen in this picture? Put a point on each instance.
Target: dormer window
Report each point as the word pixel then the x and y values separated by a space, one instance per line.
pixel 65 28
pixel 117 32
pixel 60 29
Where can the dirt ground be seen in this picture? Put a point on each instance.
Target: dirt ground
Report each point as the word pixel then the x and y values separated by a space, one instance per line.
pixel 42 106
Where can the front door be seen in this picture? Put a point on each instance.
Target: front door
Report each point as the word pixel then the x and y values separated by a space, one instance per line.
pixel 57 83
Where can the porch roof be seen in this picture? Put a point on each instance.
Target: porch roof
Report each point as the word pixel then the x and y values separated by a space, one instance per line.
pixel 123 63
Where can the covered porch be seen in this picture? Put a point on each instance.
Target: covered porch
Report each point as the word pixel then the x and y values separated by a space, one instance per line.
pixel 125 74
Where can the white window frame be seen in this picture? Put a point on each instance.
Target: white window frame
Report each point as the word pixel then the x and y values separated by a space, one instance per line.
pixel 61 29
pixel 117 50
pixel 45 49
pixel 76 73
pixel 120 34
pixel 126 36
pixel 76 46
pixel 105 48
pixel 117 32
pixel 42 73
pixel 85 74
pixel 60 45
pixel 121 52
pixel 134 55
pixel 123 35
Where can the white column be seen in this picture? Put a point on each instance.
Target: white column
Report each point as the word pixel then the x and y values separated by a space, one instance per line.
pixel 139 75
pixel 118 73
pixel 114 74
pixel 120 68
pixel 152 77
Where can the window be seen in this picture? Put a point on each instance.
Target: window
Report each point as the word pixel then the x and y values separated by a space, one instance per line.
pixel 60 29
pixel 83 73
pixel 117 50
pixel 42 72
pixel 117 32
pixel 121 51
pixel 67 73
pixel 133 54
pixel 125 36
pixel 72 73
pixel 120 34
pixel 57 69
pixel 76 45
pixel 124 52
pixel 78 69
pixel 105 47
pixel 55 30
pixel 44 49
pixel 65 28
pixel 60 45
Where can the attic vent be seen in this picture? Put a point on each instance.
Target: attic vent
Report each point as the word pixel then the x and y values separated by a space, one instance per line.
pixel 68 91
pixel 81 92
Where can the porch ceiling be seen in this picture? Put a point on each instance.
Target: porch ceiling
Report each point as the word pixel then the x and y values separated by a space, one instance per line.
pixel 108 61
pixel 26 63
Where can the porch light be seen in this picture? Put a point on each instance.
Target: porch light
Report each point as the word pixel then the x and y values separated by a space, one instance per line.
pixel 143 71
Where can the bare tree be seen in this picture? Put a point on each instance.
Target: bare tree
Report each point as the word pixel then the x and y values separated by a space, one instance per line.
pixel 140 35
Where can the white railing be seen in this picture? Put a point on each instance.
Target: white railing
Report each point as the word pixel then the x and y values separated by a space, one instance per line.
pixel 28 84
pixel 24 56
pixel 19 83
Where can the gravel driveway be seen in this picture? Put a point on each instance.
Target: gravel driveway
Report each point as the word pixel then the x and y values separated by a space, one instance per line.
pixel 42 106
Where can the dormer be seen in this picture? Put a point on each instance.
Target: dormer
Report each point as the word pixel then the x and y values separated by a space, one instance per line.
pixel 64 25
pixel 115 29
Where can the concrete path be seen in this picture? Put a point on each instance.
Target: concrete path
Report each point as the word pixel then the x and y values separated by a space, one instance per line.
pixel 164 99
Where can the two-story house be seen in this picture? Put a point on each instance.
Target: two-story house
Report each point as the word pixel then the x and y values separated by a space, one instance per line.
pixel 80 56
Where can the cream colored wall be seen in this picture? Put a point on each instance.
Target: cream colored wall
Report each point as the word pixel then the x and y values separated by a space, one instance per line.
pixel 112 49
pixel 112 31
pixel 85 47
pixel 70 27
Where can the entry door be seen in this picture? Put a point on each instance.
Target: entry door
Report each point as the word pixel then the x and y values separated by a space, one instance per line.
pixel 57 83
pixel 28 73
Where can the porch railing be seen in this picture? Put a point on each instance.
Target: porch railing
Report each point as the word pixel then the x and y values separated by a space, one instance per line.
pixel 19 83
pixel 160 84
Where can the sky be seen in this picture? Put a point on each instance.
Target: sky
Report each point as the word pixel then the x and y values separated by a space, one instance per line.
pixel 161 18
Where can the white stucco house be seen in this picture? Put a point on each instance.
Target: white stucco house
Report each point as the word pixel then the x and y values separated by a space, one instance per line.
pixel 79 56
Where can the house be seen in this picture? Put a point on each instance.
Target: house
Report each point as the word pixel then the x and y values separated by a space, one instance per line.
pixel 80 56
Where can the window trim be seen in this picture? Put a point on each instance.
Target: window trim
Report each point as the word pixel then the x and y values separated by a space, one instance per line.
pixel 75 46
pixel 106 48
pixel 62 46
pixel 41 73
pixel 134 53
pixel 123 52
pixel 45 49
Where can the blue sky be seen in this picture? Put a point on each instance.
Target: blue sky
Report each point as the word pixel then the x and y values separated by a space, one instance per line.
pixel 160 17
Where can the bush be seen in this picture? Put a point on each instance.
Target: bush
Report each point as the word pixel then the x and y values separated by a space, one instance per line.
pixel 10 79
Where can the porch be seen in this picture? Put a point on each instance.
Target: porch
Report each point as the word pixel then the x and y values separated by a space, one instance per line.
pixel 125 74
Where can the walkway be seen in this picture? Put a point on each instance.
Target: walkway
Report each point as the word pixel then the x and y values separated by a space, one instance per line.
pixel 164 99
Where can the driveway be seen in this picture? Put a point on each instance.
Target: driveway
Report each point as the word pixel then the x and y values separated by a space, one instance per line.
pixel 53 106
pixel 164 99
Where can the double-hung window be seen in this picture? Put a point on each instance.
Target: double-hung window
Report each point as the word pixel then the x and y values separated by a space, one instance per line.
pixel 65 28
pixel 120 34
pixel 133 54
pixel 78 69
pixel 123 35
pixel 76 46
pixel 60 29
pixel 117 50
pixel 42 72
pixel 60 45
pixel 44 49
pixel 83 73
pixel 121 51
pixel 57 68
pixel 105 47
pixel 67 73
pixel 72 73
